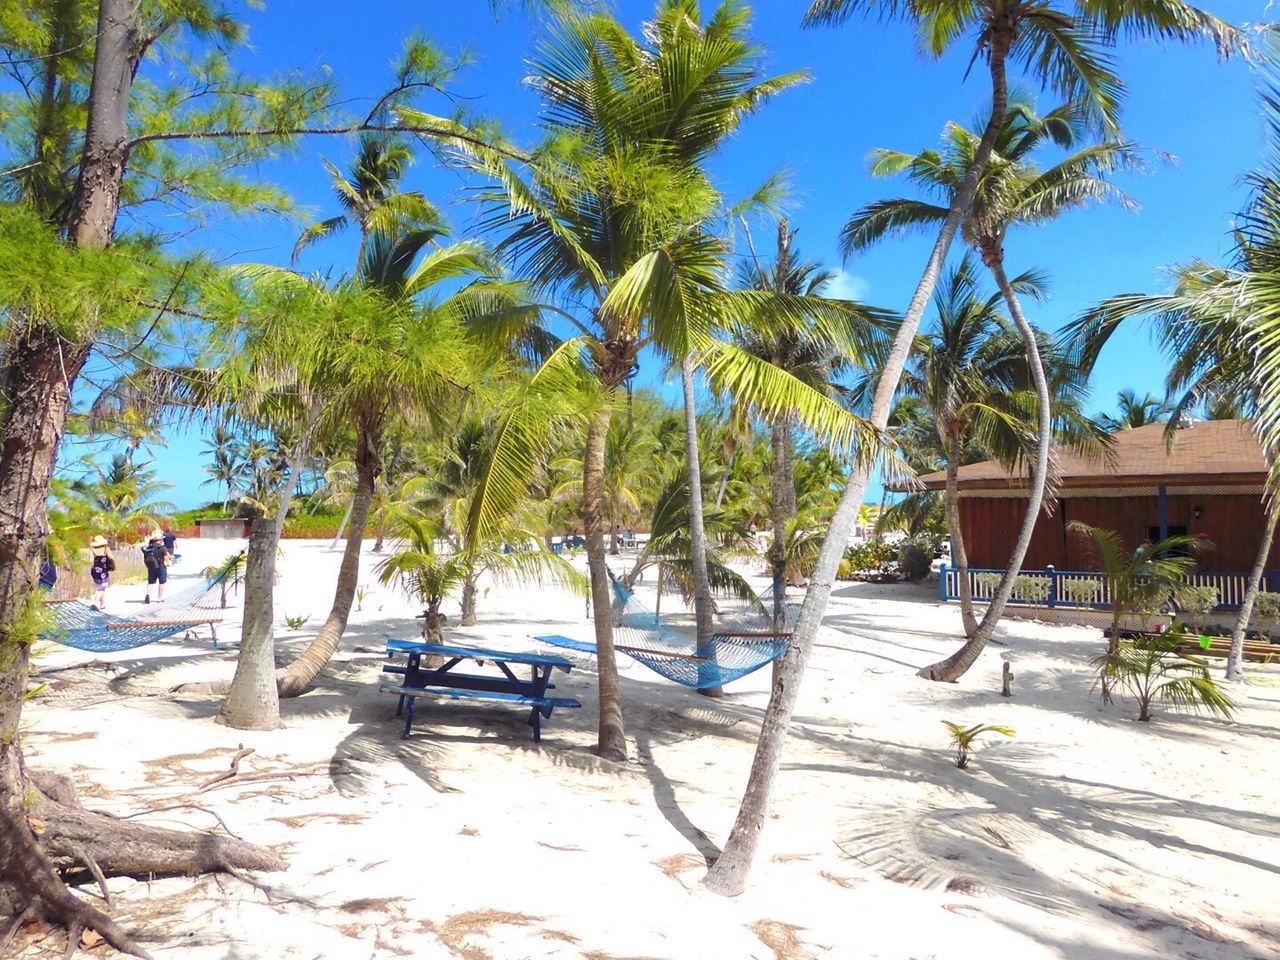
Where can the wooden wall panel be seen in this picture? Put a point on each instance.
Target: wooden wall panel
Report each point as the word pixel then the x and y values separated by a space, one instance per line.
pixel 1232 523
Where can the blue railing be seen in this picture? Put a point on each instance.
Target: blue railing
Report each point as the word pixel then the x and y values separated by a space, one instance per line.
pixel 1084 589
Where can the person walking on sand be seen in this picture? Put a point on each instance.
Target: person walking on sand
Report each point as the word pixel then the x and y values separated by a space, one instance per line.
pixel 100 570
pixel 156 558
pixel 170 542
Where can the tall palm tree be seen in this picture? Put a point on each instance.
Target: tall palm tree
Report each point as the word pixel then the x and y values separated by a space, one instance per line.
pixel 1012 191
pixel 1062 48
pixel 965 372
pixel 613 212
pixel 1134 411
pixel 806 354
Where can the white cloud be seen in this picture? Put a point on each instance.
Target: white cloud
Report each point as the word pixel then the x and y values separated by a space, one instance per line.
pixel 848 286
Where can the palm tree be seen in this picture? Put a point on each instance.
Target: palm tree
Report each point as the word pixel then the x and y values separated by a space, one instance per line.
pixel 1138 581
pixel 613 211
pixel 808 355
pixel 966 370
pixel 226 466
pixel 1012 191
pixel 1134 411
pixel 1062 49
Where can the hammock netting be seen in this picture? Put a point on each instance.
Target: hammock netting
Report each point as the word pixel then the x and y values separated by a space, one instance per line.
pixel 78 624
pixel 744 641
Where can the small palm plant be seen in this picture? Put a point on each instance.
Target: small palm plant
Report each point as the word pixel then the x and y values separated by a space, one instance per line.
pixel 962 737
pixel 425 574
pixel 1151 668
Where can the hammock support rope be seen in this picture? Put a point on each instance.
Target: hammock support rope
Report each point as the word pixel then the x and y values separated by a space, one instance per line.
pixel 730 655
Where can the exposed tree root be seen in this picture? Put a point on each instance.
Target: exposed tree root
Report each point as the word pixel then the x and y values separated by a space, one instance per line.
pixel 45 832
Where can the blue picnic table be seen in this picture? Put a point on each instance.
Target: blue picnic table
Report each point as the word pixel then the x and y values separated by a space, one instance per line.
pixel 444 681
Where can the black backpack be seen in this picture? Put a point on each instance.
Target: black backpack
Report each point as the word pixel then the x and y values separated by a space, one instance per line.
pixel 153 556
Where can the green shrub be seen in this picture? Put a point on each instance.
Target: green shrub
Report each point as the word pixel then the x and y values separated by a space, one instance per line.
pixel 1267 607
pixel 986 582
pixel 914 561
pixel 1030 587
pixel 844 571
pixel 870 556
pixel 1080 590
pixel 1195 600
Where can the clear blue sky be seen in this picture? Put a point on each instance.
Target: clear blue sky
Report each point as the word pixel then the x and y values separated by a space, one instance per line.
pixel 870 87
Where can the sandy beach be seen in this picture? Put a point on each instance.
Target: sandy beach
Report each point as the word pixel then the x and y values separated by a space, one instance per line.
pixel 1087 836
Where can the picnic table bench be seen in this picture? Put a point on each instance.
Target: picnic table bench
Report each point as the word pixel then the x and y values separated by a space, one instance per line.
pixel 446 682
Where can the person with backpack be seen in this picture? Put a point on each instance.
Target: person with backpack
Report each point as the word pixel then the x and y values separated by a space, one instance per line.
pixel 170 543
pixel 100 570
pixel 156 557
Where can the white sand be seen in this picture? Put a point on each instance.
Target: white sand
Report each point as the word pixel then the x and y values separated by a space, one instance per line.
pixel 1088 836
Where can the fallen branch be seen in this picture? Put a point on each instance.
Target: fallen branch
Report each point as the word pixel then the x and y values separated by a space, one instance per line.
pixel 184 806
pixel 241 753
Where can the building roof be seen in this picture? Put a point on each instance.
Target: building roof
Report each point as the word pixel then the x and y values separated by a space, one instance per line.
pixel 1206 452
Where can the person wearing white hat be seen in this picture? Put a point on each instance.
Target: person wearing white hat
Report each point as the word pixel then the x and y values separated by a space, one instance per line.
pixel 100 570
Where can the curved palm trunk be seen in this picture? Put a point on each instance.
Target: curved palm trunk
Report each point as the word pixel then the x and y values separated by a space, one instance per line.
pixel 302 672
pixel 955 666
pixel 782 507
pixel 728 876
pixel 611 742
pixel 702 604
pixel 1235 659
pixel 958 554
pixel 724 478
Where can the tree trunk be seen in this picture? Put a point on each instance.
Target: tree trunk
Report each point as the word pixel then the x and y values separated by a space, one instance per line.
pixel 346 518
pixel 39 376
pixel 724 478
pixel 299 675
pixel 959 556
pixel 782 497
pixel 1235 659
pixel 702 603
pixel 469 600
pixel 728 876
pixel 253 703
pixel 611 741
pixel 955 666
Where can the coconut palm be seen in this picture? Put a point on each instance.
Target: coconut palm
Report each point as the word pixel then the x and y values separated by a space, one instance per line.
pixel 1138 581
pixel 965 372
pixel 614 211
pixel 1012 191
pixel 1134 411
pixel 1062 49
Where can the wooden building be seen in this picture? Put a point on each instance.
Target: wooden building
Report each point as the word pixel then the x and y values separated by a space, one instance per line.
pixel 1209 484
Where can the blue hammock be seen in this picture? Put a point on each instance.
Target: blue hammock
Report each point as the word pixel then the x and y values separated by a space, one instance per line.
pixel 730 655
pixel 78 624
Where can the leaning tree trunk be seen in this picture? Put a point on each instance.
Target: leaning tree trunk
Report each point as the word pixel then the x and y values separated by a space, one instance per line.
pixel 959 555
pixel 1235 659
pixel 702 603
pixel 43 829
pixel 611 742
pixel 728 875
pixel 346 518
pixel 253 702
pixel 302 672
pixel 955 666
pixel 782 496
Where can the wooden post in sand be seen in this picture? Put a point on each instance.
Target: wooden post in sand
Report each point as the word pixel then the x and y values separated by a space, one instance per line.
pixel 1006 678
